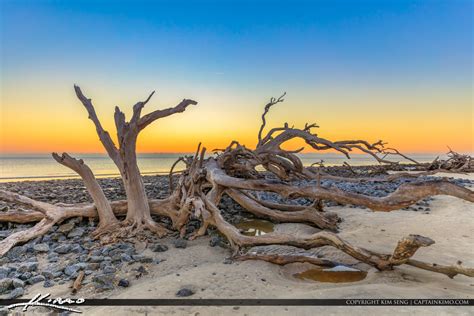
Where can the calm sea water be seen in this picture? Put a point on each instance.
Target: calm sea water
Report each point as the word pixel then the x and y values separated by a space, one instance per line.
pixel 17 167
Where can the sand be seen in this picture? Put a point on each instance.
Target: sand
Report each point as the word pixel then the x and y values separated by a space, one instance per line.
pixel 200 267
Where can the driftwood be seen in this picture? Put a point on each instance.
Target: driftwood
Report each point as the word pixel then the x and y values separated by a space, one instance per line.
pixel 236 172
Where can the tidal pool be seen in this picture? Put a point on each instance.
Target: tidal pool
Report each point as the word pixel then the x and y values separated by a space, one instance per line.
pixel 255 227
pixel 337 274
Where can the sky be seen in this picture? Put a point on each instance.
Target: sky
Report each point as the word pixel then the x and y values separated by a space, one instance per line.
pixel 401 71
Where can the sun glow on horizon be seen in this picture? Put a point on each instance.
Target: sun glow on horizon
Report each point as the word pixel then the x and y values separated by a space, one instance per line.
pixel 408 83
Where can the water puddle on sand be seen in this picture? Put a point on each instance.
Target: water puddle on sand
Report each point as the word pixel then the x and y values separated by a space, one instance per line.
pixel 255 227
pixel 338 274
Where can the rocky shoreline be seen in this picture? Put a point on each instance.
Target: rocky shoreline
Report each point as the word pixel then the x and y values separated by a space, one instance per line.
pixel 59 256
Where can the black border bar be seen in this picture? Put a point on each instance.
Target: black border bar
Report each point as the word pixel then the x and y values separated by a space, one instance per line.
pixel 262 302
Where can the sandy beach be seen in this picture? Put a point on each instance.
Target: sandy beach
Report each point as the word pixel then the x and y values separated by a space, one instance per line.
pixel 206 271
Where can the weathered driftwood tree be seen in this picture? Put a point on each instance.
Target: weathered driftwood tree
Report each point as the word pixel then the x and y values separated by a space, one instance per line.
pixel 236 171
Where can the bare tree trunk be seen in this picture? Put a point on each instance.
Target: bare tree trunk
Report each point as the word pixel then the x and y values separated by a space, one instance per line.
pixel 138 208
pixel 125 157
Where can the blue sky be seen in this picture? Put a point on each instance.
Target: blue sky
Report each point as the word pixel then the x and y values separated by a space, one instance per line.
pixel 241 50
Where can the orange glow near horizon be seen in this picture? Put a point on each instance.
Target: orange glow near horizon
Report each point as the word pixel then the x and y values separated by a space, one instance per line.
pixel 54 127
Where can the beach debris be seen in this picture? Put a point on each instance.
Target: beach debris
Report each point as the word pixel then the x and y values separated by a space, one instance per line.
pixel 76 286
pixel 238 173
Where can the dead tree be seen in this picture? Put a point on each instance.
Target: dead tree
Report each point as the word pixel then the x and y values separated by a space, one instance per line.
pixel 234 171
pixel 125 158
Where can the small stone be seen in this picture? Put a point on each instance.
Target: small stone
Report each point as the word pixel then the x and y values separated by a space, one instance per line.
pixel 125 257
pixel 66 228
pixel 17 283
pixel 35 279
pixel 180 243
pixel 15 293
pixel 62 249
pixel 146 260
pixel 76 249
pixel 159 248
pixel 4 272
pixel 5 285
pixel 103 281
pixel 28 266
pixel 71 270
pixel 96 259
pixel 76 232
pixel 109 269
pixel 16 252
pixel 41 247
pixel 227 261
pixel 184 292
pixel 123 283
pixel 48 283
pixel 25 276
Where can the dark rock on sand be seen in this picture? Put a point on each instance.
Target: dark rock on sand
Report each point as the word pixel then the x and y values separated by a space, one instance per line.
pixel 123 283
pixel 184 292
pixel 180 243
pixel 159 248
pixel 15 293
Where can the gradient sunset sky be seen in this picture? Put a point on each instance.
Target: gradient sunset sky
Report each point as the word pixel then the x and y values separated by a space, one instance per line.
pixel 401 71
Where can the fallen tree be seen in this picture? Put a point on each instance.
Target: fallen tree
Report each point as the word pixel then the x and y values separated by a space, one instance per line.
pixel 237 172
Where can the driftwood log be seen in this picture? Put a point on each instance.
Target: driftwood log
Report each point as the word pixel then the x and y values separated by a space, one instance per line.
pixel 238 172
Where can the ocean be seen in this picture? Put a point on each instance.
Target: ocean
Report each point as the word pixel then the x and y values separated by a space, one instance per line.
pixel 18 167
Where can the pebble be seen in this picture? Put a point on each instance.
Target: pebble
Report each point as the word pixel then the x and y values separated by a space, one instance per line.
pixel 62 249
pixel 65 228
pixel 180 243
pixel 159 248
pixel 76 232
pixel 123 283
pixel 15 293
pixel 184 292
pixel 5 285
pixel 35 279
pixel 41 247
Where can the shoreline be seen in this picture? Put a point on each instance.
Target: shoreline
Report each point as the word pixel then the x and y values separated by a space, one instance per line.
pixel 202 265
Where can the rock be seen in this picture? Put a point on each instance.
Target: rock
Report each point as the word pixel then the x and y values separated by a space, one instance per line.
pixel 217 240
pixel 41 247
pixel 76 232
pixel 6 284
pixel 146 260
pixel 227 261
pixel 125 257
pixel 16 283
pixel 103 281
pixel 66 228
pixel 76 249
pixel 35 279
pixel 16 252
pixel 159 248
pixel 28 267
pixel 71 270
pixel 96 259
pixel 48 283
pixel 180 243
pixel 123 283
pixel 141 269
pixel 4 272
pixel 62 249
pixel 25 276
pixel 184 292
pixel 15 293
pixel 109 269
